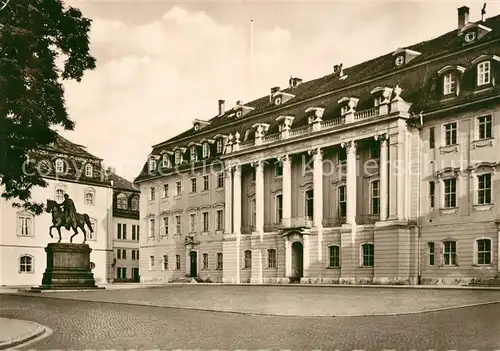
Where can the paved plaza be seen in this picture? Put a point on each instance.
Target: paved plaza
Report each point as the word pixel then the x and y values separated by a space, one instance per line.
pixel 305 301
pixel 96 325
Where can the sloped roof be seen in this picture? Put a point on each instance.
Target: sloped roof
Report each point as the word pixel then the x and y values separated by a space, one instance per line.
pixel 417 79
pixel 121 183
pixel 63 145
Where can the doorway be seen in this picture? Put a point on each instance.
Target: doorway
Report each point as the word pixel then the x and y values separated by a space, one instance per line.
pixel 194 262
pixel 297 261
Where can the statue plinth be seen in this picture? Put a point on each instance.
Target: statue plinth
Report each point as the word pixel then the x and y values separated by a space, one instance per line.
pixel 68 268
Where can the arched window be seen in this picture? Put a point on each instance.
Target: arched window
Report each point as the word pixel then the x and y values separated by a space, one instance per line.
pixel 333 256
pixel 121 202
pixel 26 264
pixel 134 203
pixel 89 170
pixel 59 164
pixel 368 255
pixel 89 196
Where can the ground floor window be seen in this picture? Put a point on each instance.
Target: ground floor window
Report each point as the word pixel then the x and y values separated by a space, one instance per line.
pixel 483 251
pixel 248 259
pixel 219 261
pixel 26 264
pixel 165 262
pixel 334 256
pixel 178 262
pixel 271 258
pixel 205 261
pixel 450 253
pixel 368 255
pixel 121 273
pixel 431 253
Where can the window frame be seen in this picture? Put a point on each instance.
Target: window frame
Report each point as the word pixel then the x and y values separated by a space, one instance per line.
pixel 206 183
pixel 220 180
pixel 477 252
pixel 333 257
pixel 31 264
pixel 375 197
pixel 451 84
pixel 482 82
pixel 272 258
pixel 166 224
pixel 193 185
pixel 220 261
pixel 165 263
pixel 488 127
pixel 448 196
pixel 205 221
pixel 431 251
pixel 365 256
pixel 452 255
pixel 89 170
pixel 278 208
pixel 453 136
pixel 484 191
pixel 247 259
pixel 192 223
pixel 342 205
pixel 307 198
pixel 29 226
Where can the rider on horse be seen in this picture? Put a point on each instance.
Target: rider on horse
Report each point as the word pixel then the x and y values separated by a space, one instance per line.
pixel 68 205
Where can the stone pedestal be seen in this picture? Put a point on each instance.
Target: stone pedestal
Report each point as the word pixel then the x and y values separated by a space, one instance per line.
pixel 68 268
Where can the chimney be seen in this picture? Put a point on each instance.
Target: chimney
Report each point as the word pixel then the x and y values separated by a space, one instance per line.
pixel 463 16
pixel 275 89
pixel 337 69
pixel 238 102
pixel 221 107
pixel 294 81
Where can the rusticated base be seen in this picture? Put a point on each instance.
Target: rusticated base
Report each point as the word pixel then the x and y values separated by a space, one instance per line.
pixel 68 268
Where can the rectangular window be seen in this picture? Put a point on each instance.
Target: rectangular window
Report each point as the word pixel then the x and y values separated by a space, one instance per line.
pixel 309 205
pixel 193 153
pixel 450 84
pixel 178 262
pixel 192 223
pixel 484 126
pixel 133 254
pixel 165 190
pixel 450 253
pixel 151 194
pixel 375 200
pixel 138 227
pixel 334 256
pixel 342 201
pixel 165 226
pixel 279 208
pixel 248 259
pixel 484 189
pixel 25 225
pixel 178 158
pixel 205 222
pixel 124 254
pixel 165 262
pixel 206 184
pixel 220 180
pixel 124 231
pixel 253 209
pixel 271 258
pixel 368 255
pixel 431 253
pixel 151 227
pixel 164 161
pixel 375 152
pixel 279 169
pixel 220 265
pixel 484 251
pixel 483 73
pixel 432 140
pixel 151 263
pixel 119 254
pixel 450 193
pixel 193 185
pixel 177 224
pixel 432 194
pixel 205 150
pixel 219 146
pixel 178 188
pixel 450 133
pixel 133 232
pixel 118 273
pixel 220 219
pixel 119 230
pixel 205 261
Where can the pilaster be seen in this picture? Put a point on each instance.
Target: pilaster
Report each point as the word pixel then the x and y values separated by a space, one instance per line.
pixel 259 197
pixel 237 200
pixel 287 186
pixel 351 181
pixel 228 206
pixel 384 179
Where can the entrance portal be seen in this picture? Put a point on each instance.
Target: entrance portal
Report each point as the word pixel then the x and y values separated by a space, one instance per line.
pixel 297 261
pixel 194 262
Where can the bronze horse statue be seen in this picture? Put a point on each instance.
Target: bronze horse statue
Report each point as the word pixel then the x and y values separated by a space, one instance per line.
pixel 58 221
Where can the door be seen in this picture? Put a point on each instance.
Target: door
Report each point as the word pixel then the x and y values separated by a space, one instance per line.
pixel 194 261
pixel 297 261
pixel 135 274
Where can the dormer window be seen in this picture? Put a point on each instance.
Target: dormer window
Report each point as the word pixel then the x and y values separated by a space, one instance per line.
pixel 219 146
pixel 472 32
pixel 152 165
pixel 403 56
pixel 205 150
pixel 165 161
pixel 239 113
pixel 399 60
pixel 192 153
pixel 378 101
pixel 470 37
pixel 59 166
pixel 196 127
pixel 178 158
pixel 344 109
pixel 199 124
pixel 89 171
pixel 483 73
pixel 277 101
pixel 450 81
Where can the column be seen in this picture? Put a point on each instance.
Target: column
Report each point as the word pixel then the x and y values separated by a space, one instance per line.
pixel 384 180
pixel 259 197
pixel 351 181
pixel 401 173
pixel 306 248
pixel 228 206
pixel 318 187
pixel 288 258
pixel 237 216
pixel 287 188
pixel 237 200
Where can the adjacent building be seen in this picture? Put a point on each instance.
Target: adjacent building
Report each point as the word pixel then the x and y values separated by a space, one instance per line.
pixel 383 172
pixel 125 229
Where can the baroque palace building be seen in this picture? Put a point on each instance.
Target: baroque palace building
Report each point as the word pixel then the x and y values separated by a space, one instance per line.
pixel 383 172
pixel 69 169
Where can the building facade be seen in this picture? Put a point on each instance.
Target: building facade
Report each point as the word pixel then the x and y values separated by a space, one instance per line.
pixel 384 172
pixel 68 169
pixel 125 229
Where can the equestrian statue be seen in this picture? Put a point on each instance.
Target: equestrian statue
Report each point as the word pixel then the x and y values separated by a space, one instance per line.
pixel 65 215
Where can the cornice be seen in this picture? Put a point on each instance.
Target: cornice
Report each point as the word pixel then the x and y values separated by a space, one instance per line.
pixel 331 92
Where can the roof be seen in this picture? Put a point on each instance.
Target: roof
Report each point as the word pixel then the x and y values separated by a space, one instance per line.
pixel 121 183
pixel 63 145
pixel 417 78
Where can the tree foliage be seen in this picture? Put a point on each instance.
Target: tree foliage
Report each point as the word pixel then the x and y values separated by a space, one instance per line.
pixel 33 35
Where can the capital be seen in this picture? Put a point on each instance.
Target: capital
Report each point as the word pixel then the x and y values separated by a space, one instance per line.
pixel 316 153
pixel 237 170
pixel 380 137
pixel 350 146
pixel 258 165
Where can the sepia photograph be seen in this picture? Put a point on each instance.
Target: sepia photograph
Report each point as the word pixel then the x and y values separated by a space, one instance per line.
pixel 249 175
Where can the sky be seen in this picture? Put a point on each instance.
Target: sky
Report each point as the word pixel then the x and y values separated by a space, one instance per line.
pixel 162 64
